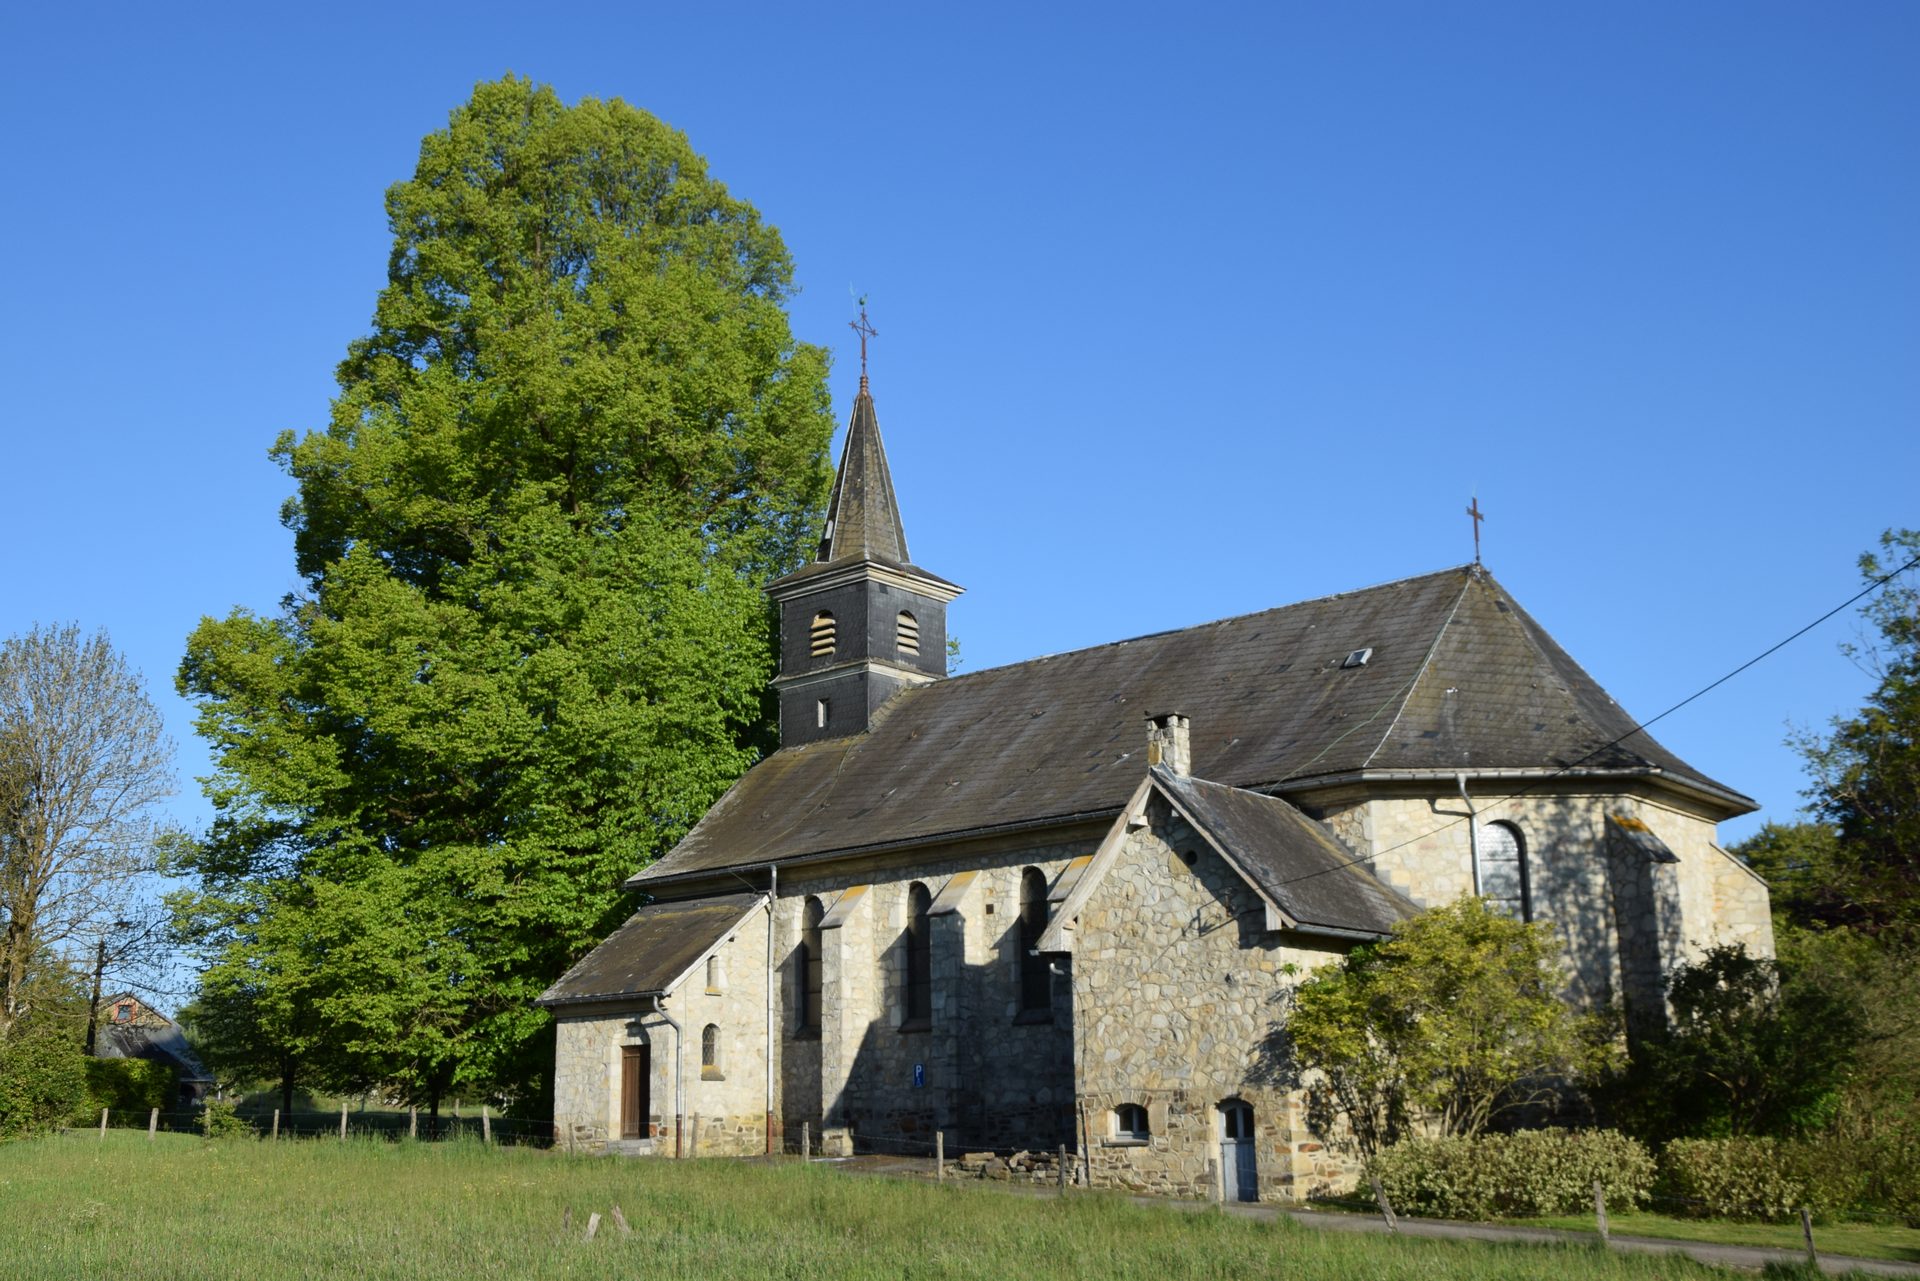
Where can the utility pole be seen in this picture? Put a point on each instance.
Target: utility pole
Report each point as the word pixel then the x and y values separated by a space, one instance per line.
pixel 93 1005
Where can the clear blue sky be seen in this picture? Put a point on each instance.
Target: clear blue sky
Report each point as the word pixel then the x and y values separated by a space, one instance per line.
pixel 1185 310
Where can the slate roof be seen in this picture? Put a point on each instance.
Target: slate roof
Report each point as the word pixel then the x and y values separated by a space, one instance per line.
pixel 1460 678
pixel 153 1037
pixel 863 515
pixel 1317 881
pixel 657 945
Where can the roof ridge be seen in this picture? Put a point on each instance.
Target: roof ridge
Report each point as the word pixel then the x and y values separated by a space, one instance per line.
pixel 1211 622
pixel 1426 662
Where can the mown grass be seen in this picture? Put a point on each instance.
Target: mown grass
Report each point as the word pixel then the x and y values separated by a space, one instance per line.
pixel 180 1207
pixel 1862 1240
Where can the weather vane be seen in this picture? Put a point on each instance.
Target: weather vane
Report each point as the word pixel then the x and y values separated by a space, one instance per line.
pixel 865 331
pixel 1478 516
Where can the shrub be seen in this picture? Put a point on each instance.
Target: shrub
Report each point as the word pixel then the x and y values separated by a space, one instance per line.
pixel 128 1085
pixel 1730 1179
pixel 1773 1178
pixel 220 1121
pixel 43 1080
pixel 1530 1172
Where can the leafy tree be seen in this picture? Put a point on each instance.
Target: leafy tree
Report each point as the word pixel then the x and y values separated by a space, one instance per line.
pixel 1752 1049
pixel 1866 773
pixel 1800 863
pixel 1456 1018
pixel 83 762
pixel 531 647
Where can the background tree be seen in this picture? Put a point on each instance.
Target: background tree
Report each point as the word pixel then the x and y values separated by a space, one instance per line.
pixel 83 762
pixel 1866 772
pixel 1751 1049
pixel 531 648
pixel 1457 1017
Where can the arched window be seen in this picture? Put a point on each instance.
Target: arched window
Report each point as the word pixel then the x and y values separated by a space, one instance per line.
pixel 919 967
pixel 808 959
pixel 1502 874
pixel 822 636
pixel 1036 981
pixel 906 634
pixel 716 976
pixel 710 1065
pixel 1130 1123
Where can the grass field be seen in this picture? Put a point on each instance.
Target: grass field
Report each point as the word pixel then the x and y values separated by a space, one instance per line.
pixel 1864 1240
pixel 180 1207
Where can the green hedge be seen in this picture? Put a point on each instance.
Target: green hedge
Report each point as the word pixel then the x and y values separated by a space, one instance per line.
pixel 1772 1178
pixel 1531 1172
pixel 129 1085
pixel 43 1079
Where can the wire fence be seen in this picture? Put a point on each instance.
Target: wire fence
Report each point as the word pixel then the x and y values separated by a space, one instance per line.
pixel 484 1126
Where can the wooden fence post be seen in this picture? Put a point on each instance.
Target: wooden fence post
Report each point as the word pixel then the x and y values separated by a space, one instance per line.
pixel 343 1120
pixel 620 1221
pixel 486 1124
pixel 1806 1230
pixel 153 1123
pixel 939 1156
pixel 593 1224
pixel 1386 1210
pixel 1600 1211
pixel 103 1124
pixel 806 1143
pixel 276 1124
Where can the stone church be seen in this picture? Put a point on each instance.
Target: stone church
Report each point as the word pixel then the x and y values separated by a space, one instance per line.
pixel 1062 902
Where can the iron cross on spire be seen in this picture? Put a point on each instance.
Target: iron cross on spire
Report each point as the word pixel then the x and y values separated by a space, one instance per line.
pixel 865 331
pixel 1478 516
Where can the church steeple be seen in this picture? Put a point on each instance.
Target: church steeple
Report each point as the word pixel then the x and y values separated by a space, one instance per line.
pixel 862 622
pixel 863 517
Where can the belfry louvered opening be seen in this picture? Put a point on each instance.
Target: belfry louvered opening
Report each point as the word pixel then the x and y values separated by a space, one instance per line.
pixel 907 634
pixel 823 638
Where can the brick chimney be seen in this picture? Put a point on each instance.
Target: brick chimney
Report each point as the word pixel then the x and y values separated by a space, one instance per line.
pixel 1167 743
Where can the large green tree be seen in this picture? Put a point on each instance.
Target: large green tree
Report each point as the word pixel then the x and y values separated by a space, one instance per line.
pixel 530 648
pixel 1866 771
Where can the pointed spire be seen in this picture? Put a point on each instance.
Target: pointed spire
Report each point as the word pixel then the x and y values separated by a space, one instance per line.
pixel 863 518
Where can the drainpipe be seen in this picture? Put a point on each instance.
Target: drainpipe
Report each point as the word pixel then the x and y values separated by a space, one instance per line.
pixel 679 1097
pixel 773 892
pixel 1473 829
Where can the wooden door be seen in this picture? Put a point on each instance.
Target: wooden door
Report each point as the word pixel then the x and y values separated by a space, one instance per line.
pixel 635 1098
pixel 1239 1167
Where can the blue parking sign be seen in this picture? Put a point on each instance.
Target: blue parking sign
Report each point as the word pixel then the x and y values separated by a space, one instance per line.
pixel 919 1076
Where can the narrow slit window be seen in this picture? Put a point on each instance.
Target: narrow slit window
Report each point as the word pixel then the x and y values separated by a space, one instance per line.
pixel 823 637
pixel 907 634
pixel 820 714
pixel 919 967
pixel 810 968
pixel 1036 978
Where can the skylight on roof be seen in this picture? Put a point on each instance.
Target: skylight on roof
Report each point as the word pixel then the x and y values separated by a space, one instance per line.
pixel 1358 658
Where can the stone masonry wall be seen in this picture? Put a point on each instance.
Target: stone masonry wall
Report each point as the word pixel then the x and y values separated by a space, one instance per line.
pixel 725 1109
pixel 1179 997
pixel 991 1075
pixel 1622 925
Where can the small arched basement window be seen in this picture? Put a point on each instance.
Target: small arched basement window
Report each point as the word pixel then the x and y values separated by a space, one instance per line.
pixel 1036 981
pixel 822 638
pixel 1130 1123
pixel 809 963
pixel 906 636
pixel 919 958
pixel 1501 877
